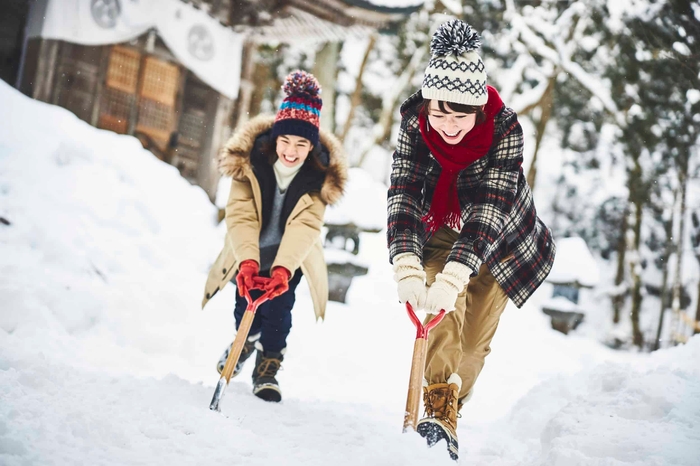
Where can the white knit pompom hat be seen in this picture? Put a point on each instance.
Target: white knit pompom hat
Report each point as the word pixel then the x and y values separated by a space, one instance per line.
pixel 455 72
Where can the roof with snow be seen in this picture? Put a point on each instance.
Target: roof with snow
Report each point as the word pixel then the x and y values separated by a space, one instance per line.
pixel 574 264
pixel 388 6
pixel 318 20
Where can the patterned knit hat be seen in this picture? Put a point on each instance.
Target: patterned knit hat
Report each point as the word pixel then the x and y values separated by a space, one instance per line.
pixel 455 72
pixel 300 111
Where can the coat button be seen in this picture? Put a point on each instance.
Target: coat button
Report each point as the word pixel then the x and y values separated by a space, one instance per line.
pixel 208 295
pixel 407 231
pixel 477 245
pixel 224 271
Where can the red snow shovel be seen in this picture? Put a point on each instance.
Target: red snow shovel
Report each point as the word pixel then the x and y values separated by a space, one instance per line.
pixel 239 341
pixel 415 382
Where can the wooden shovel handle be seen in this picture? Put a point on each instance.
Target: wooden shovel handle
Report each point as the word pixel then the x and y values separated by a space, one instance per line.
pixel 241 336
pixel 244 327
pixel 415 382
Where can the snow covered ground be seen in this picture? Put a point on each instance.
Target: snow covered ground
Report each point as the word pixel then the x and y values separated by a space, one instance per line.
pixel 107 359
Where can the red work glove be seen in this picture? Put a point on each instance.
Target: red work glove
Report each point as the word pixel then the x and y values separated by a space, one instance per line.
pixel 279 282
pixel 246 272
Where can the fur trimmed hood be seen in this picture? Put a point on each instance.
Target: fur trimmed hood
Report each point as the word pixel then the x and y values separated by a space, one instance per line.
pixel 234 157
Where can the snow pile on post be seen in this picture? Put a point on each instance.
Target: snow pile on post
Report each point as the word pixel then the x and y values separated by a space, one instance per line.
pixel 574 263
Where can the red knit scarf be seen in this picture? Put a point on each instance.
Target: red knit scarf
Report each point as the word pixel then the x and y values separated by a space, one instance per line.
pixel 444 208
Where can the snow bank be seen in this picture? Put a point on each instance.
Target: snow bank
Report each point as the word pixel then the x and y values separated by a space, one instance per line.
pixel 642 412
pixel 101 233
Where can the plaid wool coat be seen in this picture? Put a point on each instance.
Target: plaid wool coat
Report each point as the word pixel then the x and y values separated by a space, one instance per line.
pixel 500 224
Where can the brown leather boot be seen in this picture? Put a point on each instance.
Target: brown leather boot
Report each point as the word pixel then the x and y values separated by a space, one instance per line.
pixel 440 421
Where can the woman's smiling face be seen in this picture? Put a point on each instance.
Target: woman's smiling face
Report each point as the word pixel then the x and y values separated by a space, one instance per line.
pixel 292 150
pixel 451 126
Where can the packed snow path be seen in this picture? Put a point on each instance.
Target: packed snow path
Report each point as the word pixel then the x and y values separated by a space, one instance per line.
pixel 105 357
pixel 58 414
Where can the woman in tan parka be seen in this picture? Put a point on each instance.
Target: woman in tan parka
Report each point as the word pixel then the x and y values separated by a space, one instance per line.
pixel 285 171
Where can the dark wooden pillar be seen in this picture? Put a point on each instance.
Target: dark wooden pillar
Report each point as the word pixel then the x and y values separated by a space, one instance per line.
pixel 245 93
pixel 46 64
pixel 208 174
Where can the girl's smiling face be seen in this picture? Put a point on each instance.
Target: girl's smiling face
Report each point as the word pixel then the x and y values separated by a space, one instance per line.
pixel 292 150
pixel 451 126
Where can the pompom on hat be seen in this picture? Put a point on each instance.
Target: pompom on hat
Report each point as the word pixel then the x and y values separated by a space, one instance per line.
pixel 300 112
pixel 455 72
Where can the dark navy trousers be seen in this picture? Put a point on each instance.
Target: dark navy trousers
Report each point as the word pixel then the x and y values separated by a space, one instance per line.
pixel 273 319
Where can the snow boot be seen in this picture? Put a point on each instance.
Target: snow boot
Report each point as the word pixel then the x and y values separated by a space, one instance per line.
pixel 246 352
pixel 440 421
pixel 265 385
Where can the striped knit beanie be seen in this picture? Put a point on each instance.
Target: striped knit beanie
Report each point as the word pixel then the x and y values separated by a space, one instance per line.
pixel 455 72
pixel 300 111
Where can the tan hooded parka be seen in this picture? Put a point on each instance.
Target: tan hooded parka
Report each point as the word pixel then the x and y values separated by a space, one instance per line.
pixel 301 243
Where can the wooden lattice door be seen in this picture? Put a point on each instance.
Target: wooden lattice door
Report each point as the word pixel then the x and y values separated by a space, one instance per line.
pixel 157 99
pixel 119 93
pixel 140 88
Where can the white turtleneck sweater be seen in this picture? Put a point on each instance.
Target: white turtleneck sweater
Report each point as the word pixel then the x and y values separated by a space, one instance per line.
pixel 285 174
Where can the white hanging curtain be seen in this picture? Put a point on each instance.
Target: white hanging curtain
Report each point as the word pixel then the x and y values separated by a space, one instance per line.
pixel 202 44
pixel 91 22
pixel 213 52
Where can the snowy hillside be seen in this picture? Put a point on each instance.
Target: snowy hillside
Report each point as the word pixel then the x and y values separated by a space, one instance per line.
pixel 107 359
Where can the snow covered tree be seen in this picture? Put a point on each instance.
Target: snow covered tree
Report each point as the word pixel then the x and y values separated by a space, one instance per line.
pixel 661 241
pixel 695 242
pixel 629 67
pixel 653 79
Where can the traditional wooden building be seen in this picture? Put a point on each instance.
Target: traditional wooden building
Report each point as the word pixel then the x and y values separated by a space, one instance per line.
pixel 143 87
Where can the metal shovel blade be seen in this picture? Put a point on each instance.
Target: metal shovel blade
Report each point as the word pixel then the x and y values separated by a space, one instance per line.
pixel 218 394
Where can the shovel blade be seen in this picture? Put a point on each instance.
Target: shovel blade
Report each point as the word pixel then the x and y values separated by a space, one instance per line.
pixel 218 394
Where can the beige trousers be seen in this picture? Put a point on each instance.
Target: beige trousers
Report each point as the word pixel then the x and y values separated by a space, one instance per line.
pixel 461 342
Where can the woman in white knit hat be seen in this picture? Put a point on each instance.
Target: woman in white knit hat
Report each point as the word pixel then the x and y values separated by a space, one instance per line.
pixel 463 233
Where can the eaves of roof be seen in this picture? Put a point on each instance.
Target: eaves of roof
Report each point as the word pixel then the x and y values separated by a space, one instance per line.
pixel 369 5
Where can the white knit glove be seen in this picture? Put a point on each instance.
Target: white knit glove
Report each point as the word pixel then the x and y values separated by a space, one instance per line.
pixel 442 294
pixel 410 278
